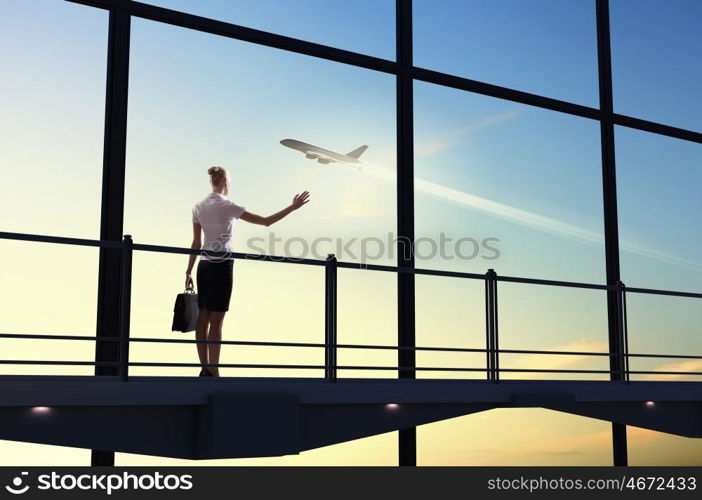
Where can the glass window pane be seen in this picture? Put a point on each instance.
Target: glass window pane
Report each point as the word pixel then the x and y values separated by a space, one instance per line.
pixel 547 318
pixel 52 96
pixel 659 324
pixel 659 205
pixel 48 289
pixel 366 315
pixel 450 313
pixel 546 47
pixel 657 61
pixel 364 26
pixel 198 100
pixel 506 186
pixel 292 298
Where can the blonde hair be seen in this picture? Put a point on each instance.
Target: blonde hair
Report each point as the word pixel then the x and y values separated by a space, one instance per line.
pixel 217 175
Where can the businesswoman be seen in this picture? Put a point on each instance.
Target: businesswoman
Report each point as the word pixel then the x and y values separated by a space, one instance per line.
pixel 216 216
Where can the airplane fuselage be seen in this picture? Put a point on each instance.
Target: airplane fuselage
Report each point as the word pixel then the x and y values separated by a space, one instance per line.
pixel 322 155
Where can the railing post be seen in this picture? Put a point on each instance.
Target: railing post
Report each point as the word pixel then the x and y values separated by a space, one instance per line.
pixel 124 306
pixel 488 327
pixel 496 330
pixel 622 332
pixel 491 336
pixel 330 318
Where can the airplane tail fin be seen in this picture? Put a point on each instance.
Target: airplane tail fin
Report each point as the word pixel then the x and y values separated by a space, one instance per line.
pixel 356 153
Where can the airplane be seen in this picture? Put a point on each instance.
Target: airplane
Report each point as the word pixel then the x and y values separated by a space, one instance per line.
pixel 325 156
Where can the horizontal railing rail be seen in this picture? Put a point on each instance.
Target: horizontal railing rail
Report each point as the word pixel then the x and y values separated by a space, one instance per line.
pixel 331 346
pixel 341 264
pixel 339 367
pixel 265 343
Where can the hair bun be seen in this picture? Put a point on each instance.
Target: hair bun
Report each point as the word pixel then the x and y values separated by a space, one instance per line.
pixel 218 175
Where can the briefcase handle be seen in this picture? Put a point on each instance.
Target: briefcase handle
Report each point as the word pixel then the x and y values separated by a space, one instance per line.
pixel 189 290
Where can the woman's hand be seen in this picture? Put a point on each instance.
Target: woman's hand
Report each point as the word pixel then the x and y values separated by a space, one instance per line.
pixel 300 199
pixel 189 281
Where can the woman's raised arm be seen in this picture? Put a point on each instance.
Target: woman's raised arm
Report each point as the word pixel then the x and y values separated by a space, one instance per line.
pixel 298 201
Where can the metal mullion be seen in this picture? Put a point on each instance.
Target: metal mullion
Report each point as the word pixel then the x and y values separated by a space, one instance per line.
pixel 407 438
pixel 112 204
pixel 229 30
pixel 609 190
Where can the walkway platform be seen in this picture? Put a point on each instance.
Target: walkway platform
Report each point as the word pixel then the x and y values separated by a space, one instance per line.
pixel 205 418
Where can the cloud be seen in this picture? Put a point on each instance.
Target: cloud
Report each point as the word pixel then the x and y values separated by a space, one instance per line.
pixel 544 223
pixel 555 361
pixel 692 365
pixel 530 219
pixel 506 211
pixel 533 442
pixel 569 445
pixel 660 256
pixel 529 437
pixel 431 146
pixel 425 147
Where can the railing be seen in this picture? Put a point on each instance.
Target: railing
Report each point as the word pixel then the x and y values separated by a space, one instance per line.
pixel 330 345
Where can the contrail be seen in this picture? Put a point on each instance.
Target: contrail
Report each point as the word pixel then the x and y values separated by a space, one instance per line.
pixel 527 218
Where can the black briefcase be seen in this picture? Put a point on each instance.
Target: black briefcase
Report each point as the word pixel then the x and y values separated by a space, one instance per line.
pixel 185 312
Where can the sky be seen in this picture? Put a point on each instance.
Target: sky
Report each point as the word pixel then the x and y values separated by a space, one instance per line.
pixel 522 180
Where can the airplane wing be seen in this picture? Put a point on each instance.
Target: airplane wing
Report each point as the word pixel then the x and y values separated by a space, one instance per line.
pixel 322 158
pixel 327 159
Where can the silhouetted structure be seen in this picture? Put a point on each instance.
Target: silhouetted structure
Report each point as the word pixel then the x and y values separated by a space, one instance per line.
pixel 182 417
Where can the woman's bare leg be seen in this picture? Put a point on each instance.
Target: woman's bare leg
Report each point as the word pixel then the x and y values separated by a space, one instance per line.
pixel 203 323
pixel 215 333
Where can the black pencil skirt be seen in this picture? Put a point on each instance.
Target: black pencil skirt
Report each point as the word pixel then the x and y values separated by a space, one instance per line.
pixel 214 284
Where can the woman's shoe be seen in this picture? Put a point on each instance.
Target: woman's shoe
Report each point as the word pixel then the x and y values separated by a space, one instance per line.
pixel 205 373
